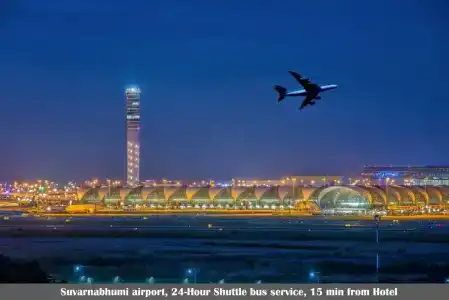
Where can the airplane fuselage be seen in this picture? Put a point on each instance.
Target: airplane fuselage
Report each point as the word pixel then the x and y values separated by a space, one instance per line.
pixel 304 92
pixel 310 91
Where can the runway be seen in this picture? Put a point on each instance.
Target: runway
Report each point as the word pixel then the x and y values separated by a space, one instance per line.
pixel 198 222
pixel 244 249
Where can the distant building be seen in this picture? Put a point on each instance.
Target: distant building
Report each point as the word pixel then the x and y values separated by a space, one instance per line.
pixel 255 182
pixel 132 96
pixel 153 183
pixel 150 182
pixel 292 180
pixel 408 175
pixel 313 180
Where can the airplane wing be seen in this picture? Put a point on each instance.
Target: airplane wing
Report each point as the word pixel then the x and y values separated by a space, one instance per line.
pixel 307 101
pixel 305 82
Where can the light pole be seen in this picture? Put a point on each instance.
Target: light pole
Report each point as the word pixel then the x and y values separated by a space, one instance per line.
pixel 192 272
pixel 293 195
pixel 78 272
pixel 109 186
pixel 315 275
pixel 386 193
pixel 425 190
pixel 109 192
pixel 378 231
pixel 377 253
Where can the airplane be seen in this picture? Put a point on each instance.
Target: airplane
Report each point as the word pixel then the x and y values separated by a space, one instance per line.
pixel 311 90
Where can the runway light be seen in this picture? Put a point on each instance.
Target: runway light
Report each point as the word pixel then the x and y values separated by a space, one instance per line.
pixel 313 275
pixel 150 280
pixel 117 279
pixel 77 268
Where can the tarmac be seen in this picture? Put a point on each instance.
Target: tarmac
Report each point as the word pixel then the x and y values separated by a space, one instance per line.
pixel 238 249
pixel 219 213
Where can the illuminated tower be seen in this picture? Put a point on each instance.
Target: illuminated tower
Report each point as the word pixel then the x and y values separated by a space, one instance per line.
pixel 132 95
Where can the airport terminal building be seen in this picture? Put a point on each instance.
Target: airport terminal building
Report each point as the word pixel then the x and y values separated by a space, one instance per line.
pixel 408 175
pixel 326 198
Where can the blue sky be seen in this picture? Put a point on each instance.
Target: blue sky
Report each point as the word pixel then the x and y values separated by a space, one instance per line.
pixel 207 70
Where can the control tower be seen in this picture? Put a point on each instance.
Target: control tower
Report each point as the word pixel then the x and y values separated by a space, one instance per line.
pixel 132 95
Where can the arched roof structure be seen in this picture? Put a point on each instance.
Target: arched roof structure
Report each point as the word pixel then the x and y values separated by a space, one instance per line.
pixel 284 192
pixel 370 195
pixel 214 192
pixel 147 191
pixel 197 193
pixel 237 191
pixel 420 196
pixel 344 196
pixel 392 196
pixel 407 197
pixel 154 194
pixel 134 194
pixel 307 192
pixel 444 191
pixel 378 196
pixel 124 192
pixel 259 192
pixel 435 195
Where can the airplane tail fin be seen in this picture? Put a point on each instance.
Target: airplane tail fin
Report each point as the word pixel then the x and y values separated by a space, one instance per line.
pixel 281 91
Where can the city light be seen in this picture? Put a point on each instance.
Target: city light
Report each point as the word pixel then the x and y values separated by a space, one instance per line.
pixel 287 195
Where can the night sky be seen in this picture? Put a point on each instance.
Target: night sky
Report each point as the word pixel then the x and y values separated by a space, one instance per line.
pixel 206 70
